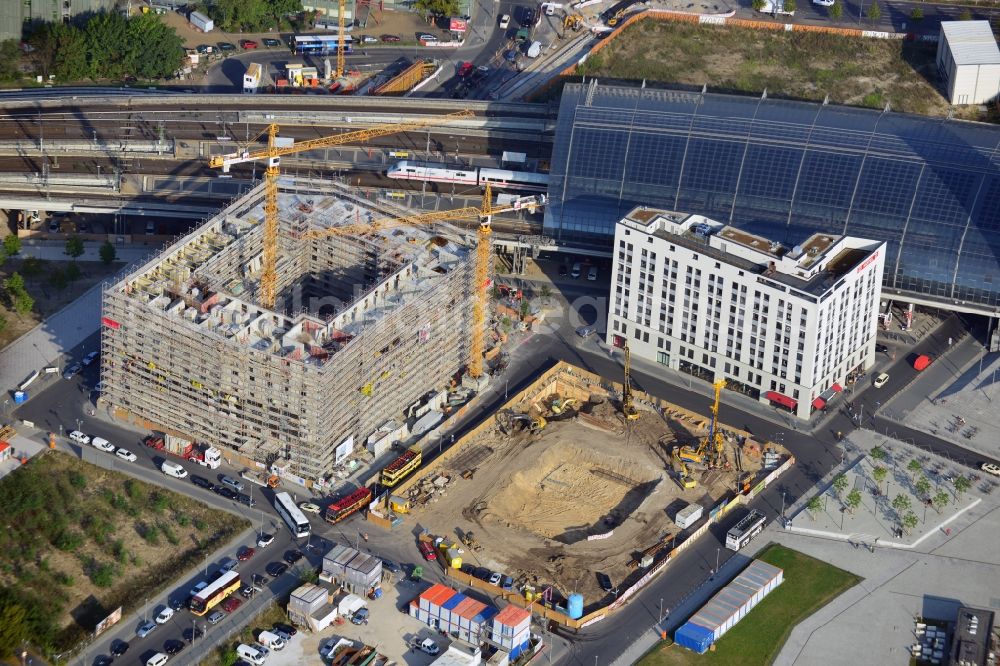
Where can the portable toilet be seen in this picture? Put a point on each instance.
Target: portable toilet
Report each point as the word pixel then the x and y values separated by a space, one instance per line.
pixel 574 606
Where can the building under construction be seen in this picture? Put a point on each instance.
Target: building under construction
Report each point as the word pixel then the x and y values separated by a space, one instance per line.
pixel 366 323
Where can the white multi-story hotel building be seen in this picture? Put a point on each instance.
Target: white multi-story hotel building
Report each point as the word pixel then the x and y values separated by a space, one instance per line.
pixel 787 326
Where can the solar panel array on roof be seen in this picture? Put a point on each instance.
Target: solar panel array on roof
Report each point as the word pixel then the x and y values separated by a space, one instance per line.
pixel 928 187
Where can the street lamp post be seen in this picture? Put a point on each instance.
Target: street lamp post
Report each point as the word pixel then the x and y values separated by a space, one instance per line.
pixel 717 560
pixel 659 618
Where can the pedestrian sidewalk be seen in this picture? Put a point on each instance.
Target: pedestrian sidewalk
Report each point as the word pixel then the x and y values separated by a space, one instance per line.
pixel 53 250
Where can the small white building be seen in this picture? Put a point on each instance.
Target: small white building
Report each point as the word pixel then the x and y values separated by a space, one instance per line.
pixel 787 326
pixel 969 61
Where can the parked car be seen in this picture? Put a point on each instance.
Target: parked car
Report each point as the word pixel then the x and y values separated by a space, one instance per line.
pixel 177 604
pixel 193 633
pixel 881 349
pixel 203 49
pixel 271 43
pixel 824 3
pixel 495 578
pixel 90 358
pixel 604 581
pixel 265 540
pixel 482 573
pixel 198 588
pixel 563 269
pixel 465 69
pixel 430 39
pixel 990 468
pixel 228 493
pixel 125 454
pixel 72 370
pixel 102 444
pixel 592 273
pixel 275 569
pixel 528 17
pixel 245 553
pixel 226 46
pixel 505 21
pixel 79 437
pixel 248 44
pixel 507 583
pixel 118 648
pixel 428 646
pixel 360 617
pixel 292 556
pixel 309 507
pixel 247 591
pixel 511 55
pixel 881 380
pixel 229 564
pixel 391 566
pixel 369 39
pixel 173 647
pixel 243 498
pixel 231 604
pixel 145 629
pixel 216 617
pixel 164 615
pixel 390 38
pixel 287 629
pixel 427 551
pixel 202 482
pixel 585 331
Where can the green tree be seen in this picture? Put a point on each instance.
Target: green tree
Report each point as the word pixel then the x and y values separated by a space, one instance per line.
pixel 545 292
pixel 923 487
pixel 31 266
pixel 14 630
pixel 961 484
pixel 10 60
pixel 879 454
pixel 11 245
pixel 836 11
pixel 879 474
pixel 815 505
pixel 14 284
pixel 940 500
pixel 23 303
pixel 789 5
pixel 108 46
pixel 965 15
pixel 57 278
pixel 758 5
pixel 914 467
pixel 437 7
pixel 853 500
pixel 874 12
pixel 910 521
pixel 108 253
pixel 156 50
pixel 74 246
pixel 525 308
pixel 103 575
pixel 70 62
pixel 917 14
pixel 901 503
pixel 229 657
pixel 840 484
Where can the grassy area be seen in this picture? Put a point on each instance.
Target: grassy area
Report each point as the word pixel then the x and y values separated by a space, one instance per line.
pixel 809 585
pixel 79 541
pixel 53 285
pixel 797 65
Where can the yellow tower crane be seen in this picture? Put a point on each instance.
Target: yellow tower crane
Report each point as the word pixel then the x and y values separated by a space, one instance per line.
pixel 481 270
pixel 628 409
pixel 341 31
pixel 273 154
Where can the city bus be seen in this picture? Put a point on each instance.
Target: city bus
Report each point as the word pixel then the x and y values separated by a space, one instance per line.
pixel 319 44
pixel 742 532
pixel 212 595
pixel 297 521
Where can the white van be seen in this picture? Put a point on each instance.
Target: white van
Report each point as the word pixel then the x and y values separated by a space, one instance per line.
pixel 575 272
pixel 173 469
pixel 158 659
pixel 271 640
pixel 253 655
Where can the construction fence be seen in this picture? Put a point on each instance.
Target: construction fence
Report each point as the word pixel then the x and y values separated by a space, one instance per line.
pixel 572 382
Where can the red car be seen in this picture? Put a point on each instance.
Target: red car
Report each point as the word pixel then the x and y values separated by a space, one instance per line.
pixel 231 604
pixel 248 44
pixel 427 551
pixel 465 69
pixel 245 553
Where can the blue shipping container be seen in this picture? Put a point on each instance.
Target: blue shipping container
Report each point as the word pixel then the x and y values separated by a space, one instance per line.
pixel 694 637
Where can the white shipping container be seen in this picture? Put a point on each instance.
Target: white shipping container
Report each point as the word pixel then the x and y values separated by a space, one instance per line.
pixel 688 516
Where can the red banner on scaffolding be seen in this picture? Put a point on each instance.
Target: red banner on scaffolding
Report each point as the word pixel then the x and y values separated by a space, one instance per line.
pixel 458 25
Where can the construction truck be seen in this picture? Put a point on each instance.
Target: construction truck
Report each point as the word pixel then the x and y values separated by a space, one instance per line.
pixel 687 481
pixel 572 22
pixel 451 555
pixel 470 542
pixel 261 478
pixel 203 454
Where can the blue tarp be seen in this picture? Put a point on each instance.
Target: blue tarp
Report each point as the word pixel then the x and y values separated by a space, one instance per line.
pixel 694 637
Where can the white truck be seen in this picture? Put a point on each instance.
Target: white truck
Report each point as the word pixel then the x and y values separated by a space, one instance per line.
pixel 201 21
pixel 534 50
pixel 251 79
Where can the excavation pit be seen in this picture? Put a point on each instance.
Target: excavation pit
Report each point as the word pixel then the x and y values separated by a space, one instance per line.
pixel 568 493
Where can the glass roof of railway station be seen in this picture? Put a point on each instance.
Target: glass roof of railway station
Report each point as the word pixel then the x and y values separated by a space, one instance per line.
pixel 928 187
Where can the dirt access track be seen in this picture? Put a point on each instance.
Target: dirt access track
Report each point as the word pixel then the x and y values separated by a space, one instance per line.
pixel 587 493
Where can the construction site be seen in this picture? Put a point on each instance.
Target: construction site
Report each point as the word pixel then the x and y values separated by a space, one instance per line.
pixel 574 486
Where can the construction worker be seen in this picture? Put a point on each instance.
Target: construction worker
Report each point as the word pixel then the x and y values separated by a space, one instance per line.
pixel 840 436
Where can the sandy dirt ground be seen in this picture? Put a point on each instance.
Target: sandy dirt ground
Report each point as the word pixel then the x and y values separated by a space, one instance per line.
pixel 535 498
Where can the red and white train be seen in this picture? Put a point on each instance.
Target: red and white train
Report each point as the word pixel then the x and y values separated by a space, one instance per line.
pixel 476 176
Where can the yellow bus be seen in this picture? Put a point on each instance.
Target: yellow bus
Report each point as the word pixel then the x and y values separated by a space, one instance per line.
pixel 215 593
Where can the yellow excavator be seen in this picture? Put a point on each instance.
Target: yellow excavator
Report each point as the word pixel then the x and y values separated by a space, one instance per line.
pixel 558 405
pixel 687 481
pixel 713 445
